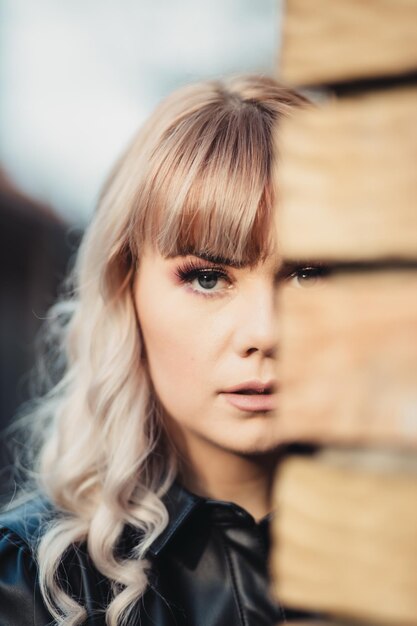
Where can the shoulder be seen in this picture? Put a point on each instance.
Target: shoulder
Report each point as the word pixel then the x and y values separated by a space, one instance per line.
pixel 20 529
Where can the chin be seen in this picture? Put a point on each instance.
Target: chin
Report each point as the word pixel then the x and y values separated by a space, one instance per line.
pixel 255 436
pixel 256 449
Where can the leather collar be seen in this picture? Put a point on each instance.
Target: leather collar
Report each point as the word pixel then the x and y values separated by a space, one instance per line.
pixel 181 504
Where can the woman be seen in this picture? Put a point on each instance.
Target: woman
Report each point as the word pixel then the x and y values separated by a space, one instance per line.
pixel 158 444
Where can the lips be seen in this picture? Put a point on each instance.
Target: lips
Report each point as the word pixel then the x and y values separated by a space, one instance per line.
pixel 253 395
pixel 252 387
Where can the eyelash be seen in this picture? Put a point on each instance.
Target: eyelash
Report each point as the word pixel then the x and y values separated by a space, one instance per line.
pixel 313 271
pixel 190 271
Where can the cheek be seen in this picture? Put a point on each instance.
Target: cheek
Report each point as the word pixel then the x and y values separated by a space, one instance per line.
pixel 170 347
pixel 175 348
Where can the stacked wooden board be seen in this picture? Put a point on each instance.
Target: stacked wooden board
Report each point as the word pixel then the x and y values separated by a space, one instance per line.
pixel 345 529
pixel 346 535
pixel 329 41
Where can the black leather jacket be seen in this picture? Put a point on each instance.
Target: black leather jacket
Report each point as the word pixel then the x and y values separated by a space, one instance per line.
pixel 209 568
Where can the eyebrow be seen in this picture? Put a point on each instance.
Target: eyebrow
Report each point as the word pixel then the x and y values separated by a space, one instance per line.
pixel 210 258
pixel 219 260
pixel 290 266
pixel 284 268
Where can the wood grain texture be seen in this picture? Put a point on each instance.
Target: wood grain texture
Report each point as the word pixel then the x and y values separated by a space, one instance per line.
pixel 348 178
pixel 348 360
pixel 326 40
pixel 344 540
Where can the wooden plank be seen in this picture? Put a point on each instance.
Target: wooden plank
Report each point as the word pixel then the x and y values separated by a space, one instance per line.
pixel 326 40
pixel 344 540
pixel 347 178
pixel 348 360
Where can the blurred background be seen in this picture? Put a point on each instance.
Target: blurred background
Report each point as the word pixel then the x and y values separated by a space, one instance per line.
pixel 77 78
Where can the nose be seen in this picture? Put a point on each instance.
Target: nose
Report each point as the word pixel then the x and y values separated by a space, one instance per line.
pixel 257 328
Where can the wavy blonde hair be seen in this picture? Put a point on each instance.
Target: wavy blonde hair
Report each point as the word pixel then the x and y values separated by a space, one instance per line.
pixel 197 177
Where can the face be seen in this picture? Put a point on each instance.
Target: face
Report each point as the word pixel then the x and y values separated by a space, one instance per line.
pixel 210 331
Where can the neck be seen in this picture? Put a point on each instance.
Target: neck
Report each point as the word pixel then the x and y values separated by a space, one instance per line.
pixel 223 475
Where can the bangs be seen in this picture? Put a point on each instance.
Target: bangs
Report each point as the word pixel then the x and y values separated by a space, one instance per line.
pixel 208 188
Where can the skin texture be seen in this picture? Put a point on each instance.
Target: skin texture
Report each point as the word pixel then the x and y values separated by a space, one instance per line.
pixel 201 337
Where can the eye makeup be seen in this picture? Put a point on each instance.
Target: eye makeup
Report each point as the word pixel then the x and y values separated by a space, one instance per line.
pixel 308 273
pixel 210 274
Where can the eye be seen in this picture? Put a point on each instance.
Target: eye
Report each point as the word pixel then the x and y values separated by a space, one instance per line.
pixel 204 280
pixel 208 279
pixel 309 276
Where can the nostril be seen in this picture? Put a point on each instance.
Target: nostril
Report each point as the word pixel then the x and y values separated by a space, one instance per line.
pixel 270 351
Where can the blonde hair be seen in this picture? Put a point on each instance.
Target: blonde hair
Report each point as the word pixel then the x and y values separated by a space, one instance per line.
pixel 197 177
